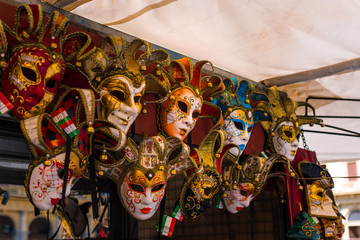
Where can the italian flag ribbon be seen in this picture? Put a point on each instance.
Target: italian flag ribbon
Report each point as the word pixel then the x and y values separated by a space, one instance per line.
pixel 168 225
pixel 177 213
pixel 63 120
pixel 219 204
pixel 5 104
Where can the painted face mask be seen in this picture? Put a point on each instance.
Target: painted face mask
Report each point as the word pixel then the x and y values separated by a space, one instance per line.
pixel 286 139
pixel 278 118
pixel 318 190
pixel 183 93
pixel 234 103
pixel 45 176
pixel 143 175
pixel 35 67
pixel 243 181
pixel 180 112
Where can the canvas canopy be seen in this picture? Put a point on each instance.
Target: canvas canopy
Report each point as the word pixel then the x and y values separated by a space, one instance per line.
pixel 311 48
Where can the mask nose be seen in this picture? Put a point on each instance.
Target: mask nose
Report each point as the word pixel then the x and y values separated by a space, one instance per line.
pixel 147 200
pixel 128 111
pixel 188 121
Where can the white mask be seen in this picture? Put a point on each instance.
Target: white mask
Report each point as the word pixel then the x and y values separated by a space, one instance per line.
pixel 239 198
pixel 237 129
pixel 286 139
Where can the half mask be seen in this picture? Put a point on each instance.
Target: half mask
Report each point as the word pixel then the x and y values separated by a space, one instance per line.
pixel 32 61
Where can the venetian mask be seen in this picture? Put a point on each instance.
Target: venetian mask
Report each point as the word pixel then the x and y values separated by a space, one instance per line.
pixel 45 184
pixel 238 127
pixel 120 101
pixel 141 192
pixel 197 193
pixel 242 182
pixel 286 139
pixel 31 80
pixel 179 113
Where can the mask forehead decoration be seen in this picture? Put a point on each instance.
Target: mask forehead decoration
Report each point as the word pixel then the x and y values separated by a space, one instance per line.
pixel 238 117
pixel 318 184
pixel 184 92
pixel 46 176
pixel 142 173
pixel 204 180
pixel 278 118
pixel 243 180
pixel 32 60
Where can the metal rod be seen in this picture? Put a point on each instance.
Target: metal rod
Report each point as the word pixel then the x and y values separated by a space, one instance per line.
pixel 332 133
pixel 341 129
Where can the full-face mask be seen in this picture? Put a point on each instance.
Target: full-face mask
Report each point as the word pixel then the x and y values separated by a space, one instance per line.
pixel 243 180
pixel 278 118
pixel 318 183
pixel 45 176
pixel 142 173
pixel 204 180
pixel 184 91
pixel 33 65
pixel 238 117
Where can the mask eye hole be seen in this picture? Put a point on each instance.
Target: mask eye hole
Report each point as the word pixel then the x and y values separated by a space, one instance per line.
pixel 239 125
pixel 196 114
pixel 29 73
pixel 288 133
pixel 320 194
pixel 137 99
pixel 51 84
pixel 137 187
pixel 182 106
pixel 60 172
pixel 243 193
pixel 158 187
pixel 207 191
pixel 250 129
pixel 298 136
pixel 120 95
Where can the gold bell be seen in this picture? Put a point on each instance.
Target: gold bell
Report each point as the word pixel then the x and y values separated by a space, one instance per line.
pixel 78 64
pixel 161 168
pixel 98 79
pixel 238 167
pixel 234 186
pixel 47 163
pixel 301 187
pixel 229 109
pixel 256 179
pixel 90 129
pixel 311 124
pixel 209 84
pixel 247 101
pixel 224 195
pixel 172 97
pixel 272 134
pixel 173 172
pixel 265 114
pixel 211 98
pixel 53 45
pixel 143 67
pixel 197 91
pixel 125 123
pixel 282 201
pixel 144 111
pixel 323 124
pixel 217 155
pixel 84 161
pixel 158 73
pixel 292 174
pixel 104 157
pixel 101 173
pixel 3 64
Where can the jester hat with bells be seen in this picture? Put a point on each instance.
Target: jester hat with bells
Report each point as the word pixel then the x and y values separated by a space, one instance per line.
pixel 58 162
pixel 184 93
pixel 237 112
pixel 116 73
pixel 31 60
pixel 272 110
pixel 142 173
pixel 204 179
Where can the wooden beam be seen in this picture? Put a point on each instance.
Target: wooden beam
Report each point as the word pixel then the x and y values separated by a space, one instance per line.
pixel 338 68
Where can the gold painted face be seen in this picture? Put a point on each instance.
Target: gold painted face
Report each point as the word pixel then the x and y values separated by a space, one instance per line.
pixel 179 113
pixel 120 101
pixel 140 195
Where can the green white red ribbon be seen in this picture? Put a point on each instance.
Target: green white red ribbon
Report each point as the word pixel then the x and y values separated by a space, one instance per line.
pixel 177 213
pixel 168 225
pixel 63 120
pixel 5 105
pixel 219 204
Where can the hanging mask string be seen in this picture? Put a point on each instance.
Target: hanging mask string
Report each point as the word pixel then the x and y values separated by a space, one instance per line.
pixel 94 200
pixel 228 221
pixel 66 168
